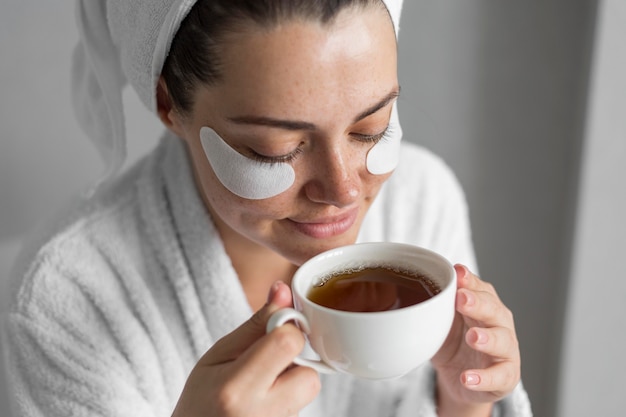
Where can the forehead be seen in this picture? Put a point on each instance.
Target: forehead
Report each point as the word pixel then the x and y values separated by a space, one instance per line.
pixel 299 63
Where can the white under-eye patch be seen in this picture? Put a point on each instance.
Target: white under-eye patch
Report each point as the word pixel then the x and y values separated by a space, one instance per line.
pixel 385 155
pixel 243 176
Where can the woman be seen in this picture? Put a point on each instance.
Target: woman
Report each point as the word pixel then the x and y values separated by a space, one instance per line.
pixel 282 141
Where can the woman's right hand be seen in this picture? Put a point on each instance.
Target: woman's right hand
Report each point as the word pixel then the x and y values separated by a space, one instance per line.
pixel 250 373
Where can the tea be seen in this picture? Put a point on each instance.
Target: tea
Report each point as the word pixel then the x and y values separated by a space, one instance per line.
pixel 371 289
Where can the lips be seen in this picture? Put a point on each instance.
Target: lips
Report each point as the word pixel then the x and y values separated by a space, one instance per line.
pixel 328 226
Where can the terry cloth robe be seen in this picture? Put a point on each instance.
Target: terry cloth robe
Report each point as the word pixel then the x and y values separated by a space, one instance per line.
pixel 116 306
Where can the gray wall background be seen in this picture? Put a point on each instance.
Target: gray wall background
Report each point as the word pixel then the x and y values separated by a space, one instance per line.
pixel 524 99
pixel 499 89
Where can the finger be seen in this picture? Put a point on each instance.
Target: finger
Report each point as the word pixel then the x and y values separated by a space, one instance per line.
pixel 239 340
pixel 469 280
pixel 291 400
pixel 498 342
pixel 484 308
pixel 280 295
pixel 270 355
pixel 500 378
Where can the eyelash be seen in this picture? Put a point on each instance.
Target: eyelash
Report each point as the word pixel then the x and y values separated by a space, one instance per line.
pixel 291 156
pixel 385 134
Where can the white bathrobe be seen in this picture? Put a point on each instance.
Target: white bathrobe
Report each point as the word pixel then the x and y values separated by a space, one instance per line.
pixel 118 304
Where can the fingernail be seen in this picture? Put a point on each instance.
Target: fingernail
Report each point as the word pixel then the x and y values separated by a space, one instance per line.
pixel 461 271
pixel 481 337
pixel 472 379
pixel 272 292
pixel 467 299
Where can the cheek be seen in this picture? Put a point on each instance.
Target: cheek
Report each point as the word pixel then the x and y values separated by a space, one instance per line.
pixel 238 211
pixel 373 183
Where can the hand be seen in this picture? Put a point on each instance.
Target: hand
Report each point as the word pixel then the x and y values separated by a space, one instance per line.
pixel 249 373
pixel 479 362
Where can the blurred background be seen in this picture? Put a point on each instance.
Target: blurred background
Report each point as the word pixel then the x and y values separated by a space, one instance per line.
pixel 526 100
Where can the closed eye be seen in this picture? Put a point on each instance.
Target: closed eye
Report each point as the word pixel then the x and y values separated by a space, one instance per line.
pixel 385 134
pixel 287 158
pixel 291 156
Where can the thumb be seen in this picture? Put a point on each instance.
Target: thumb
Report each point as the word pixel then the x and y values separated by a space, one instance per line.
pixel 231 346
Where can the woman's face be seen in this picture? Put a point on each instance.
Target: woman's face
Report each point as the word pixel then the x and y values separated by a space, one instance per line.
pixel 313 96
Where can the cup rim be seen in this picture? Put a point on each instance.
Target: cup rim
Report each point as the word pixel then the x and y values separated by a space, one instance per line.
pixel 423 304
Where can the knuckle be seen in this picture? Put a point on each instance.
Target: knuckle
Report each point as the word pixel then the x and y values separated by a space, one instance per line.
pixel 491 310
pixel 505 345
pixel 314 383
pixel 513 336
pixel 488 287
pixel 508 314
pixel 498 309
pixel 505 379
pixel 288 339
pixel 229 399
pixel 511 376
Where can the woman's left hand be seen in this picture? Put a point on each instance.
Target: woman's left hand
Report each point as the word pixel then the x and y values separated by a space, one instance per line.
pixel 479 362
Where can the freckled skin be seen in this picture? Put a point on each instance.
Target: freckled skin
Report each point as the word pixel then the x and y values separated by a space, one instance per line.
pixel 322 75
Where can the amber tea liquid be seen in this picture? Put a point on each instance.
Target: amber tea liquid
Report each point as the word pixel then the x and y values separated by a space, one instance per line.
pixel 372 289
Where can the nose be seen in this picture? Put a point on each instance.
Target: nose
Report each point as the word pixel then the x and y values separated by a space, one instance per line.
pixel 336 180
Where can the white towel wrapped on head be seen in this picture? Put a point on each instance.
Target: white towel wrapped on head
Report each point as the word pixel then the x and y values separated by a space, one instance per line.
pixel 120 40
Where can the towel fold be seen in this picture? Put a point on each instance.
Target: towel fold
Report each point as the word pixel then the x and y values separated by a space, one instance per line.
pixel 119 41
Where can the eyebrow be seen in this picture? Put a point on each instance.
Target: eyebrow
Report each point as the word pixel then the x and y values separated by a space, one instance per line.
pixel 301 125
pixel 382 103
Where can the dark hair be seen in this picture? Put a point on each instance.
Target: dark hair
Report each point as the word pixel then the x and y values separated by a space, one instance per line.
pixel 194 54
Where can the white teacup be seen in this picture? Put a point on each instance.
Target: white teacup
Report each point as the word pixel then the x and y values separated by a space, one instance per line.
pixel 373 345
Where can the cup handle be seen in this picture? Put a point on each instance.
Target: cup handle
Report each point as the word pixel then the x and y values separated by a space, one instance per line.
pixel 284 315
